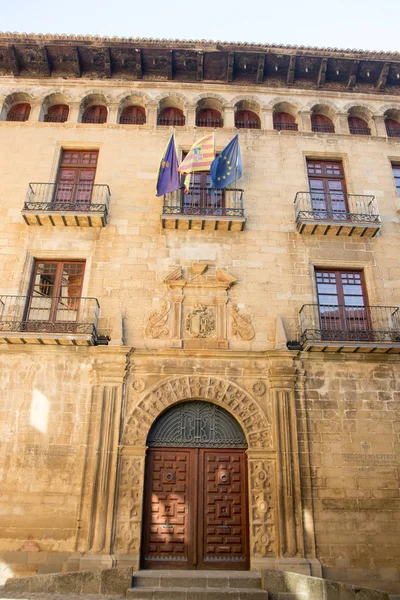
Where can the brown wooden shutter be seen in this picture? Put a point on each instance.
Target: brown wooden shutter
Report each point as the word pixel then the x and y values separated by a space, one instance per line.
pixel 284 121
pixel 133 115
pixel 95 114
pixel 358 126
pixel 247 119
pixel 209 117
pixel 322 124
pixel 57 114
pixel 171 116
pixel 19 112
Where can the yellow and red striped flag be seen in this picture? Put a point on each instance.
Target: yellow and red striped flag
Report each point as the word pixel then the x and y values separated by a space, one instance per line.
pixel 200 155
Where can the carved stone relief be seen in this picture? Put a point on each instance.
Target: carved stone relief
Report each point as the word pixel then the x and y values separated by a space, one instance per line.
pixel 255 423
pixel 241 324
pixel 262 509
pixel 200 322
pixel 129 515
pixel 157 322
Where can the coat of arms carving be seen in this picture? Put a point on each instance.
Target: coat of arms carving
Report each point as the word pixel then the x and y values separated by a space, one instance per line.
pixel 200 322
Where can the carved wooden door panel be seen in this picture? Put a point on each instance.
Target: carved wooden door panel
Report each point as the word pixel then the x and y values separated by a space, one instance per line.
pixel 167 499
pixel 195 509
pixel 223 535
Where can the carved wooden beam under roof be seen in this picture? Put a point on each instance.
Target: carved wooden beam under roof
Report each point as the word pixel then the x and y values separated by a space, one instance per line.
pixel 14 60
pixel 47 60
pixel 290 73
pixel 138 65
pixel 169 65
pixel 77 63
pixel 260 68
pixel 382 79
pixel 107 62
pixel 231 61
pixel 200 66
pixel 322 73
pixel 353 75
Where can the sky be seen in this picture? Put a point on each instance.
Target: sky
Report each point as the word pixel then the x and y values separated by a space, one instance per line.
pixel 360 24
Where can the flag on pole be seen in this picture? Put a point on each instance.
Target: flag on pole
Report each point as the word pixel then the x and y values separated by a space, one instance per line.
pixel 227 167
pixel 168 179
pixel 200 155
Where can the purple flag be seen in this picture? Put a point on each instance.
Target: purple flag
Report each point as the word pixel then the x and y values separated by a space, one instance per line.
pixel 168 177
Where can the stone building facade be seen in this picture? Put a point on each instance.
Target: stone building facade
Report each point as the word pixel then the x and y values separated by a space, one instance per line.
pixel 274 306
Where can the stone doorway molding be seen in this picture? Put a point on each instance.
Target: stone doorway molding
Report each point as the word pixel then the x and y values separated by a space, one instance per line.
pixel 270 499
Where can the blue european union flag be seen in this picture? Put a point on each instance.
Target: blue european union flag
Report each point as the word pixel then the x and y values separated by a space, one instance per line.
pixel 227 167
pixel 168 177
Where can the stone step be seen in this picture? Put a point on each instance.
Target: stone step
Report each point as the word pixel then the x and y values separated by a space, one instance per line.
pixel 196 579
pixel 196 593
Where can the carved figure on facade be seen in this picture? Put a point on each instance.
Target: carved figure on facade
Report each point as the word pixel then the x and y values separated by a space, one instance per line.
pixel 241 323
pixel 157 322
pixel 229 395
pixel 200 322
pixel 262 518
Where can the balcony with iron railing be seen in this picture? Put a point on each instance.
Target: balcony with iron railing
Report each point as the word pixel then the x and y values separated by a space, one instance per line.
pixel 55 118
pixel 393 132
pixel 359 130
pixel 339 328
pixel 323 128
pixel 247 124
pixel 336 214
pixel 285 126
pixel 204 208
pixel 211 123
pixel 171 121
pixel 67 204
pixel 49 320
pixel 138 120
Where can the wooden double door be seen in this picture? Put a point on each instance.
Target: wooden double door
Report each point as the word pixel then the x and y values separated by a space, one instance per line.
pixel 195 509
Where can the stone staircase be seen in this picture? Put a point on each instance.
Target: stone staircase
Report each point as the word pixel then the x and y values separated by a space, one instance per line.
pixel 196 585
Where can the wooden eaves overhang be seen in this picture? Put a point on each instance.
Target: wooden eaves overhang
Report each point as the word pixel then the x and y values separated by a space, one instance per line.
pixel 65 56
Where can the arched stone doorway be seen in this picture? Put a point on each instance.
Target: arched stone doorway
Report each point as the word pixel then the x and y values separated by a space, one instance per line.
pixel 195 509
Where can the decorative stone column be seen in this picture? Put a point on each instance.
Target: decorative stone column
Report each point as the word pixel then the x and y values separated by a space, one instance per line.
pixel 34 115
pixel 267 121
pixel 229 116
pixel 304 120
pixel 112 114
pixel 191 116
pixel 101 462
pixel 380 126
pixel 73 115
pixel 151 115
pixel 129 505
pixel 342 123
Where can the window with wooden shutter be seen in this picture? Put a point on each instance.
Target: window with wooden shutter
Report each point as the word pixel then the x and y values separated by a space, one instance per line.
pixel 392 128
pixel 57 114
pixel 284 122
pixel 171 117
pixel 327 189
pixel 343 303
pixel 133 115
pixel 209 117
pixel 246 119
pixel 201 198
pixel 55 291
pixel 358 126
pixel 19 112
pixel 95 114
pixel 396 176
pixel 321 124
pixel 76 178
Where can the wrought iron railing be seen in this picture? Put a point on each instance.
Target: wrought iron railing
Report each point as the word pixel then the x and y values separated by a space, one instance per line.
pixel 323 128
pixel 209 122
pixel 336 323
pixel 23 117
pixel 248 124
pixel 285 126
pixel 132 120
pixel 44 314
pixel 55 118
pixel 354 208
pixel 359 130
pixel 205 201
pixel 171 121
pixel 80 197
pixel 392 132
pixel 96 120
